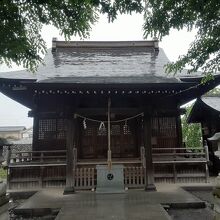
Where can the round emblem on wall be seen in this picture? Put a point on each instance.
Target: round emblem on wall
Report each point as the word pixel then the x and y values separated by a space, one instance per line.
pixel 110 176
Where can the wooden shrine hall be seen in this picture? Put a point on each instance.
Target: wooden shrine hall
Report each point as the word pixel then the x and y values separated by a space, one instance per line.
pixel 206 111
pixel 104 103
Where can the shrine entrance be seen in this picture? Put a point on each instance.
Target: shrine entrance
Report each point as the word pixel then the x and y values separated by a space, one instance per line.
pixel 93 143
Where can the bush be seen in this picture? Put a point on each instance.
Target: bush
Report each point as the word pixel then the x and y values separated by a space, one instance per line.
pixel 3 173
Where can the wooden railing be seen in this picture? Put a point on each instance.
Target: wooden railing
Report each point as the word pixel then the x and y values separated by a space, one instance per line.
pixel 85 178
pixel 175 155
pixel 181 164
pixel 36 157
pixel 47 168
pixel 134 177
pixel 160 155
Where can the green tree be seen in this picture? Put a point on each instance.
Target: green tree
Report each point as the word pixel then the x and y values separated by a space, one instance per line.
pixel 163 15
pixel 22 20
pixel 3 141
pixel 192 135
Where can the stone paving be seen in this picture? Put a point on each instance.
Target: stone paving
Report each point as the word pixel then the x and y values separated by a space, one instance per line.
pixel 3 212
pixel 133 204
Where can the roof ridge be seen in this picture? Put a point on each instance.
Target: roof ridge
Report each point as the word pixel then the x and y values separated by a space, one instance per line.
pixel 104 44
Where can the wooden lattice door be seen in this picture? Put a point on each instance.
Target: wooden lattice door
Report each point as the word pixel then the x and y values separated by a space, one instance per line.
pixel 164 132
pixel 94 141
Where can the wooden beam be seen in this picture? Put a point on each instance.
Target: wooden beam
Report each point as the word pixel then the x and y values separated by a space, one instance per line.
pixel 35 133
pixel 41 177
pixel 149 169
pixel 104 111
pixel 35 142
pixel 8 157
pixel 70 136
pixel 174 173
pixel 86 111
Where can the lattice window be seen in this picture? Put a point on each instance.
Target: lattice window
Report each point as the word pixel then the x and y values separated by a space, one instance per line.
pixel 51 129
pixel 115 130
pixel 164 132
pixel 61 129
pixel 88 131
pixel 126 129
pixel 164 126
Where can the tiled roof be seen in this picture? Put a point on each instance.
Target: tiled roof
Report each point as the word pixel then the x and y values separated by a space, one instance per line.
pixel 205 107
pixel 22 141
pixel 89 61
pixel 11 128
pixel 212 101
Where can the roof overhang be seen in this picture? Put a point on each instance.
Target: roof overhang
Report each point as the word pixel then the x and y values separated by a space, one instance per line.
pixel 201 110
pixel 24 90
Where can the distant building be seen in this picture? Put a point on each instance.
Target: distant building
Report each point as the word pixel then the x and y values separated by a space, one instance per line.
pixel 17 137
pixel 12 132
pixel 27 133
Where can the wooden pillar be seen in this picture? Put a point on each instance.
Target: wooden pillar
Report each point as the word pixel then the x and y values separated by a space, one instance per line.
pixel 149 170
pixel 179 131
pixel 34 114
pixel 8 155
pixel 41 177
pixel 70 136
pixel 8 158
pixel 35 133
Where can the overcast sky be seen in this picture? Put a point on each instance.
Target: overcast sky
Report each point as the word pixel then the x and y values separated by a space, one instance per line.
pixel 126 27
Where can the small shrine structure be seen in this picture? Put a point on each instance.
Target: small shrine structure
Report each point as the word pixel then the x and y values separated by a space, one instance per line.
pixel 206 110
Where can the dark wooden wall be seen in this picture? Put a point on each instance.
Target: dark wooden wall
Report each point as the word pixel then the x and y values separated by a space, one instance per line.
pixel 50 125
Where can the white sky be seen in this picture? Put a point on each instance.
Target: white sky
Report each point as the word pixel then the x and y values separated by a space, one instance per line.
pixel 126 27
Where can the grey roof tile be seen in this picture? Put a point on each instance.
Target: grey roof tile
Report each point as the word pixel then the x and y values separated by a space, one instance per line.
pixel 97 63
pixel 11 128
pixel 212 101
pixel 22 141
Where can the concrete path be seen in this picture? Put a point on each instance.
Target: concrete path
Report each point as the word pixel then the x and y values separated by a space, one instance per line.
pixel 4 212
pixel 117 211
pixel 134 204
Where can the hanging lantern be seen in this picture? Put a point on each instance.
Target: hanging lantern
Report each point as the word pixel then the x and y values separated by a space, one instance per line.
pixel 102 127
pixel 84 124
pixel 126 128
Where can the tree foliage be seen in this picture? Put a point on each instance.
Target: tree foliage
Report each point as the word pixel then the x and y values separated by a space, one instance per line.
pixel 22 20
pixel 204 52
pixel 192 135
pixel 3 141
